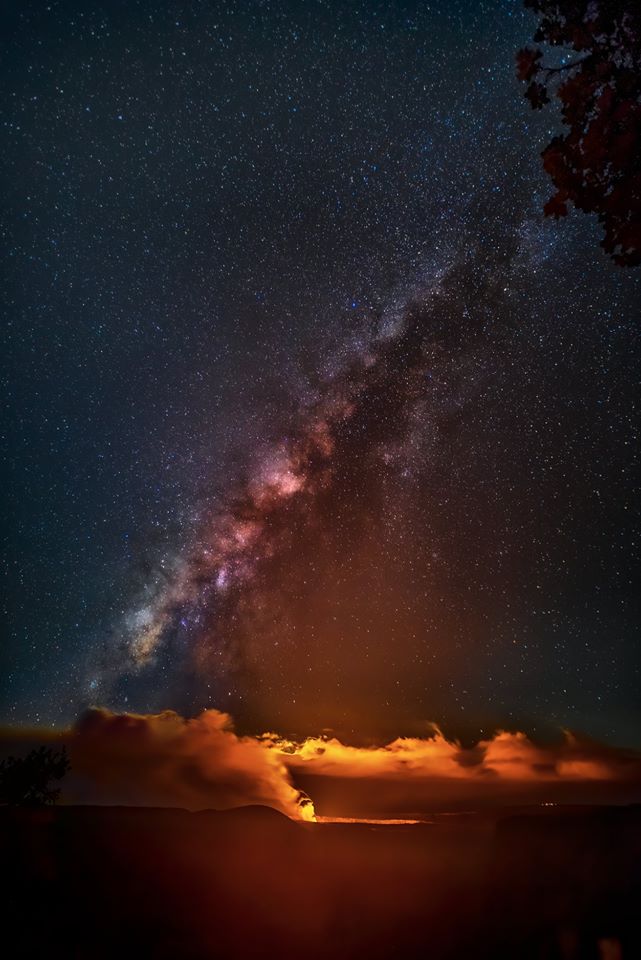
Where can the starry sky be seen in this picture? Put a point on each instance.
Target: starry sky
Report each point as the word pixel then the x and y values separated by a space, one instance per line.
pixel 311 416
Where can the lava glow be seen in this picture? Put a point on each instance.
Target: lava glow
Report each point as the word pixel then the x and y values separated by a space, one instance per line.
pixel 134 758
pixel 368 820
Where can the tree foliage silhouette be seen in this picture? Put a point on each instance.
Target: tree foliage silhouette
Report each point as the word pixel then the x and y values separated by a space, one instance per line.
pixel 596 165
pixel 26 781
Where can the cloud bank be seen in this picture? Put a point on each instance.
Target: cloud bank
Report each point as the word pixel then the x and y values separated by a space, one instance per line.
pixel 168 760
pixel 416 777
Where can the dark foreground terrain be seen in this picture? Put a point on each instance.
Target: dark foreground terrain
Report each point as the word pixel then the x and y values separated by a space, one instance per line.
pixel 109 882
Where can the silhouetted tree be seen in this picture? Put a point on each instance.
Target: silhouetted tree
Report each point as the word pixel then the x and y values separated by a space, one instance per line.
pixel 25 781
pixel 597 164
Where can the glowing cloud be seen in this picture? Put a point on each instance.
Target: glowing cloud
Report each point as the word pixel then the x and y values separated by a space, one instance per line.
pixel 167 760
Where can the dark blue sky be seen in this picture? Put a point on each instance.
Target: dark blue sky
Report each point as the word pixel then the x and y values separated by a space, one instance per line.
pixel 208 208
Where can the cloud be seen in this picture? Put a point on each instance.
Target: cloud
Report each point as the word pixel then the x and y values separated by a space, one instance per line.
pixel 506 756
pixel 402 758
pixel 168 760
pixel 417 776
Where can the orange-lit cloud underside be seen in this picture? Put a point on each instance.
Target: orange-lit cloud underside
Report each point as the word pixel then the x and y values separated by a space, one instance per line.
pixel 165 759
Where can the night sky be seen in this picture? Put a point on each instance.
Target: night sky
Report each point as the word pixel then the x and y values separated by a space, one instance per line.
pixel 312 417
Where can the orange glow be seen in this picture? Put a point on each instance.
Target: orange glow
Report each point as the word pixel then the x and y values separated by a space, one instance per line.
pixel 507 756
pixel 201 762
pixel 370 820
pixel 402 757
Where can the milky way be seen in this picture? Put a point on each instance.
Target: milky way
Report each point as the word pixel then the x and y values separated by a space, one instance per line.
pixel 335 512
pixel 363 419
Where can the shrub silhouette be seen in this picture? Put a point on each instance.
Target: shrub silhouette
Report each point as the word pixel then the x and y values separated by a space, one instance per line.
pixel 25 781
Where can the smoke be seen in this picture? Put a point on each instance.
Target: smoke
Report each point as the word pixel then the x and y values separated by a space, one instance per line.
pixel 168 760
pixel 506 756
pixel 418 776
